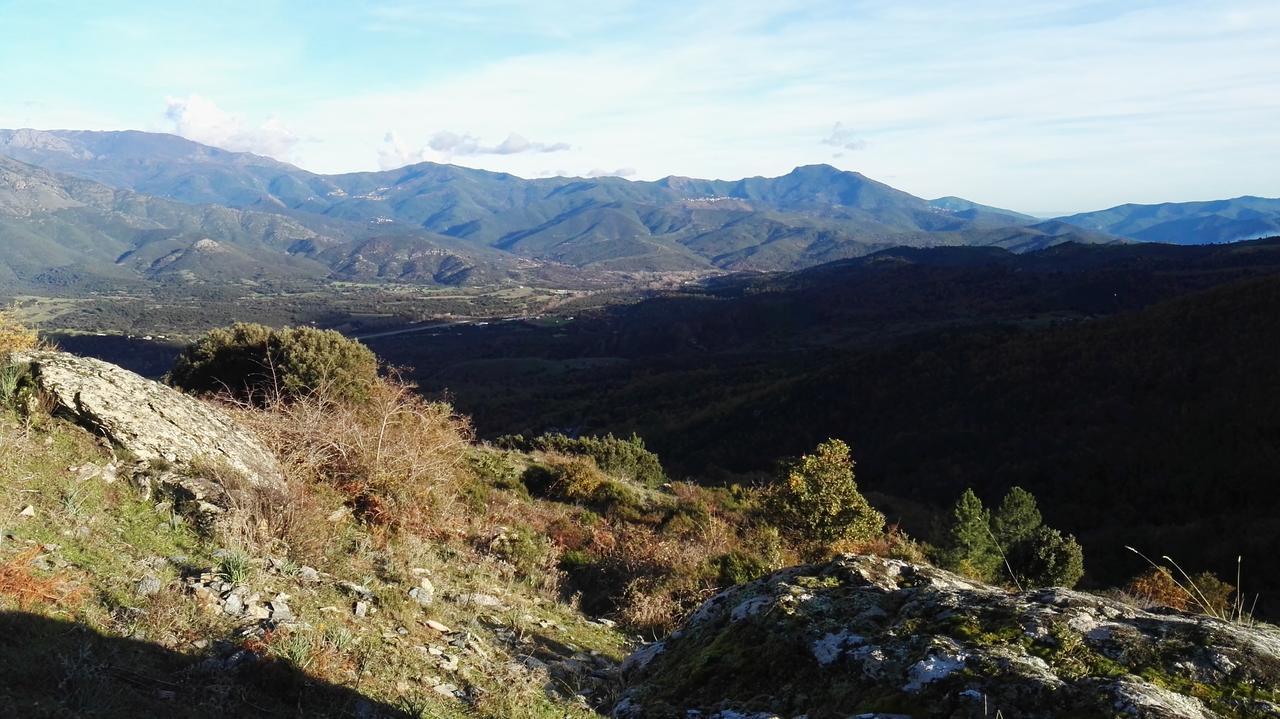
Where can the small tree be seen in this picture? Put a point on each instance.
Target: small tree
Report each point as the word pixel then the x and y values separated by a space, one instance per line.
pixel 1049 559
pixel 1016 519
pixel 968 547
pixel 818 498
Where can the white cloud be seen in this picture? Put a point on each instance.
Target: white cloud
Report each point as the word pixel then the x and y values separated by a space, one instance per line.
pixel 393 153
pixel 200 119
pixel 452 143
pixel 844 138
pixel 620 172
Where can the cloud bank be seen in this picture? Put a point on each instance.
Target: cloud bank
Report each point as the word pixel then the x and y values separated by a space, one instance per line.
pixel 452 143
pixel 200 119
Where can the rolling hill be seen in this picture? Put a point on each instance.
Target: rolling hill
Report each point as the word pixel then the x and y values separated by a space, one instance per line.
pixel 60 231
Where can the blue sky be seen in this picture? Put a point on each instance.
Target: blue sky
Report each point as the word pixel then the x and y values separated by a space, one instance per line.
pixel 1044 106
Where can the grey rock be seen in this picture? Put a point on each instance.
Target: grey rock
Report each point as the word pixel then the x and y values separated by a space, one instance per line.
pixel 148 586
pixel 829 639
pixel 233 605
pixel 153 422
pixel 477 599
pixel 424 593
pixel 308 574
pixel 280 611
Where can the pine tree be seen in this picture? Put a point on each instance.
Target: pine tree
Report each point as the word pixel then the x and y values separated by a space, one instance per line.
pixel 1017 518
pixel 969 547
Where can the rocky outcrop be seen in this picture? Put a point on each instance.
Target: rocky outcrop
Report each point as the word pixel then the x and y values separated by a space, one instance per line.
pixel 872 637
pixel 155 424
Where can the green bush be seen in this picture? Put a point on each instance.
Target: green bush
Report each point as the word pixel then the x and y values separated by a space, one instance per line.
pixel 497 469
pixel 1048 558
pixel 818 499
pixel 739 567
pixel 255 362
pixel 624 458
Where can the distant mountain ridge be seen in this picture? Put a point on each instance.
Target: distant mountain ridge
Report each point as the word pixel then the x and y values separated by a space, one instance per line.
pixel 1187 223
pixel 811 215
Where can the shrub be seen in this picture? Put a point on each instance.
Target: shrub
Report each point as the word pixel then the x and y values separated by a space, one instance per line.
pixel 1205 593
pixel 1215 593
pixel 1049 559
pixel 818 499
pixel 15 336
pixel 575 479
pixel 252 361
pixel 738 567
pixel 533 557
pixel 625 458
pixel 892 544
pixel 497 469
pixel 1158 587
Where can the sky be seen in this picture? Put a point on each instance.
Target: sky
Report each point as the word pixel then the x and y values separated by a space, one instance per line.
pixel 1043 106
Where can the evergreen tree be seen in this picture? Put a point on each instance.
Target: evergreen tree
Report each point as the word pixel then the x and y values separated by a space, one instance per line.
pixel 1017 518
pixel 968 547
pixel 1049 558
pixel 818 498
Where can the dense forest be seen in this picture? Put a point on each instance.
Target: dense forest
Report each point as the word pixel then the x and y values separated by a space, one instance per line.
pixel 1132 389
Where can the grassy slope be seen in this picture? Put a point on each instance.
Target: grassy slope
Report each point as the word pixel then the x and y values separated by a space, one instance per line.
pixel 81 641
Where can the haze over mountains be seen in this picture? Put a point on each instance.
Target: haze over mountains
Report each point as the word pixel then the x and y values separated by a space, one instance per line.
pixel 134 206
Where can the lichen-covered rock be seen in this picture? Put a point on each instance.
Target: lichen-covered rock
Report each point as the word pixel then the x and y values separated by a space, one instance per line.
pixel 866 636
pixel 149 420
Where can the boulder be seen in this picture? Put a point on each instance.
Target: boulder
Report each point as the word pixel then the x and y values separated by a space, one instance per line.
pixel 867 636
pixel 153 422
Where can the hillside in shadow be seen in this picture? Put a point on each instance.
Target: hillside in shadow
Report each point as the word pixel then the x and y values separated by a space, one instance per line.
pixel 58 668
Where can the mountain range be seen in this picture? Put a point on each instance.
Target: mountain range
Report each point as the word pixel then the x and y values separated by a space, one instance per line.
pixel 85 207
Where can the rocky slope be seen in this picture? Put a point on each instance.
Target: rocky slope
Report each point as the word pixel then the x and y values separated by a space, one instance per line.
pixel 865 636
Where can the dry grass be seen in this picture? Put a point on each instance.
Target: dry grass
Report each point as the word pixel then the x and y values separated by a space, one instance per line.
pixel 20 582
pixel 892 544
pixel 291 521
pixel 396 458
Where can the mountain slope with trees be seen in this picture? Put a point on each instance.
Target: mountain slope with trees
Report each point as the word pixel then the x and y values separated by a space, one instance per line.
pixel 811 215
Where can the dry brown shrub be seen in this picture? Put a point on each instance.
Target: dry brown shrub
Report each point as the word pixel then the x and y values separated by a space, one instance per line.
pixel 397 458
pixel 15 336
pixel 665 576
pixel 17 580
pixel 1158 587
pixel 892 544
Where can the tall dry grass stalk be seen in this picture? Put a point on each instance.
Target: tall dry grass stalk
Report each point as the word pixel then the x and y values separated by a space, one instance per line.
pixel 1233 612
